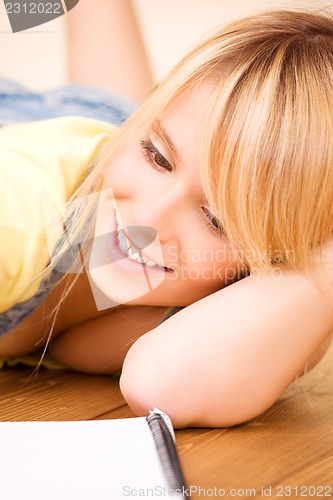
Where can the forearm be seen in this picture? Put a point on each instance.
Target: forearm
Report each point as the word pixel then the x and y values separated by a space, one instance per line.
pixel 99 345
pixel 228 357
pixel 105 48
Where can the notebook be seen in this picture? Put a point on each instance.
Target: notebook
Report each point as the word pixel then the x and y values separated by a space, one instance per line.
pixel 90 460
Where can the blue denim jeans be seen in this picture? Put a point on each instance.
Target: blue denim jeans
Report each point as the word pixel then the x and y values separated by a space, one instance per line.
pixel 20 105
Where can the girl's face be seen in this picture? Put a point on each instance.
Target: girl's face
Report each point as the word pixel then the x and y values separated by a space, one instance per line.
pixel 152 201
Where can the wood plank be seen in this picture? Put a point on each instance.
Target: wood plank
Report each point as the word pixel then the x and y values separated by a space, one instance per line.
pixel 289 445
pixel 313 480
pixel 56 396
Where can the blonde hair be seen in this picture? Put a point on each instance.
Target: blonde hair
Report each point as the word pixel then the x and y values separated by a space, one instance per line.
pixel 268 167
pixel 268 147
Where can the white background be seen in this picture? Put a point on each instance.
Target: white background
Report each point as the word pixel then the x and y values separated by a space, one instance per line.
pixel 37 57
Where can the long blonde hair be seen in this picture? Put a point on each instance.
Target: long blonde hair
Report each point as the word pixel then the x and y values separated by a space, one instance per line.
pixel 267 155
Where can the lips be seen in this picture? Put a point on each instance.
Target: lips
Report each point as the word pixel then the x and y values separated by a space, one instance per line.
pixel 134 252
pixel 130 251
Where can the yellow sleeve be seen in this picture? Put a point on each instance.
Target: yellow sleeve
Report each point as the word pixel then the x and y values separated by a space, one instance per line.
pixel 39 161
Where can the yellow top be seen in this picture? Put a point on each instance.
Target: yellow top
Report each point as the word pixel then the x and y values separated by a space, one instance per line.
pixel 41 164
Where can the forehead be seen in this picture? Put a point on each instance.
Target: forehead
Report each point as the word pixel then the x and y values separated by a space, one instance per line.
pixel 184 119
pixel 182 125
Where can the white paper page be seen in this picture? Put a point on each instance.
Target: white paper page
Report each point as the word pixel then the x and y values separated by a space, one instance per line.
pixel 93 460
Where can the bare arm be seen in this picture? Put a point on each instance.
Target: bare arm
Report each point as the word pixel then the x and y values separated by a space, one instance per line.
pixel 101 344
pixel 105 48
pixel 228 357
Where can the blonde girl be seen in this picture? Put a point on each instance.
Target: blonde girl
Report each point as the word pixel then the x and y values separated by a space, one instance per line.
pixel 230 161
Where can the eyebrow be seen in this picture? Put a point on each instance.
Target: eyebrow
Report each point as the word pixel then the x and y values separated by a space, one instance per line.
pixel 163 134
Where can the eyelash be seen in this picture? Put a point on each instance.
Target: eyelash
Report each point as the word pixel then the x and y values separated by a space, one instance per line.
pixel 151 154
pixel 212 223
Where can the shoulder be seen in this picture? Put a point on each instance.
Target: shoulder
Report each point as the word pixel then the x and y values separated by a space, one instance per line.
pixel 35 142
pixel 41 164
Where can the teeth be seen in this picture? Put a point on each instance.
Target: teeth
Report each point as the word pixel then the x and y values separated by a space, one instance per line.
pixel 132 255
pixel 132 252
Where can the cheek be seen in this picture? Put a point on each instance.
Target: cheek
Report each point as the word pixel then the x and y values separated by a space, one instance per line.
pixel 213 269
pixel 126 165
pixel 214 277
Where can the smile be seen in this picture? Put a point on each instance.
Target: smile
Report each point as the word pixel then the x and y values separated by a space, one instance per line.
pixel 132 252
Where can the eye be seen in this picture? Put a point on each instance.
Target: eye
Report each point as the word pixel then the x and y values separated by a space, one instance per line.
pixel 154 157
pixel 212 222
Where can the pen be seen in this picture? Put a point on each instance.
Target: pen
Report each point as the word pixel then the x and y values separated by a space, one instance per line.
pixel 163 435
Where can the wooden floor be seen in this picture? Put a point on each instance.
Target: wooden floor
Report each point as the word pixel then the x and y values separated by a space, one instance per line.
pixel 290 446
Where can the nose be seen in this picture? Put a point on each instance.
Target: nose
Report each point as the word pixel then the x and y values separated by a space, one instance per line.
pixel 164 210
